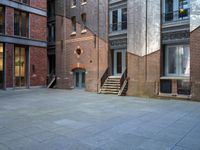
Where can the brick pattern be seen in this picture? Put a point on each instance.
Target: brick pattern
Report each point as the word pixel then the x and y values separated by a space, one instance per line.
pixel 9 64
pixel 67 57
pixel 144 73
pixel 38 56
pixel 9 21
pixel 41 4
pixel 38 73
pixel 38 27
pixel 195 63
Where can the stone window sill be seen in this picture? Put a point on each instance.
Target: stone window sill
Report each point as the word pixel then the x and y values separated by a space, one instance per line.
pixel 73 33
pixel 84 31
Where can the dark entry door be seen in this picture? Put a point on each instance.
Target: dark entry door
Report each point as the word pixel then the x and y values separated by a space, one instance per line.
pixel 79 79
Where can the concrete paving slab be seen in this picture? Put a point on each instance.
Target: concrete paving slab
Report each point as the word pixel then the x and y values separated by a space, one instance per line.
pixel 49 119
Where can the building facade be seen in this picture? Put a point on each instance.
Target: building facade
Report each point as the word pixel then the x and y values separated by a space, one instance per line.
pixel 142 48
pixel 23 43
pixel 81 47
pixel 160 39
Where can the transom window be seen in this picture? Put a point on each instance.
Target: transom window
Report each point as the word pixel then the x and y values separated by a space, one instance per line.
pixel 177 60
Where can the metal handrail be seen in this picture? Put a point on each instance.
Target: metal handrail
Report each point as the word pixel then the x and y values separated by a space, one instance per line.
pixel 105 76
pixel 123 77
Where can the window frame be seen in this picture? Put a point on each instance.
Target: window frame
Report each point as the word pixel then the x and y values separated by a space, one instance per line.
pixel 20 23
pixel 3 19
pixel 178 66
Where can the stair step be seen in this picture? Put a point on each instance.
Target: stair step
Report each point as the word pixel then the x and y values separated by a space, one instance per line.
pixel 116 90
pixel 106 92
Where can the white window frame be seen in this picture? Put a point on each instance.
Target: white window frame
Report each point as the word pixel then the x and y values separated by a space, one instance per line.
pixel 178 61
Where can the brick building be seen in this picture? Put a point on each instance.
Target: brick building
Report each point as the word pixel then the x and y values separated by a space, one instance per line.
pixel 79 42
pixel 162 46
pixel 23 46
pixel 140 48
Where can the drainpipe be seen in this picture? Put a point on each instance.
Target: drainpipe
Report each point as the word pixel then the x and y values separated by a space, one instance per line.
pixel 98 46
pixel 146 40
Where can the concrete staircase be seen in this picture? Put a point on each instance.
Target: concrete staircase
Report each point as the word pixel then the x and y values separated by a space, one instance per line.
pixel 111 85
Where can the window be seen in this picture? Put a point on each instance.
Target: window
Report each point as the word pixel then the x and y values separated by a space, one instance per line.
pixel 73 19
pixel 115 20
pixel 2 19
pixel 176 10
pixel 183 8
pixel 21 25
pixel 22 1
pixel 177 61
pixel 83 17
pixel 83 2
pixel 73 3
pixel 51 32
pixel 124 18
pixel 118 20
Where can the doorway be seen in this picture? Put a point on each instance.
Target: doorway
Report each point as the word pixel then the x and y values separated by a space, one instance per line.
pixel 79 79
pixel 20 67
pixel 119 63
pixel 1 65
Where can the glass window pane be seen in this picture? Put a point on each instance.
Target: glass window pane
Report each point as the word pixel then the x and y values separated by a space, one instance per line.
pixel 171 53
pixel 16 23
pixel 185 60
pixel 114 20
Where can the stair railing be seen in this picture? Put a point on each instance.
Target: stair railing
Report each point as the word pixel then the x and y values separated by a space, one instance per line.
pixel 105 76
pixel 123 82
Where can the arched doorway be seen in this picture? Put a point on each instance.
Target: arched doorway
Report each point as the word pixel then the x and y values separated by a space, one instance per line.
pixel 79 78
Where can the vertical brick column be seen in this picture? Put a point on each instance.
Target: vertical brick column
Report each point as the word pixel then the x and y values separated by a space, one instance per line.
pixel 195 63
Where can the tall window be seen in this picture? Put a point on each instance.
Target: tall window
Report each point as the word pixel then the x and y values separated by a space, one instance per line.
pixel 118 19
pixel 2 19
pixel 177 61
pixel 115 20
pixel 73 3
pixel 73 19
pixel 124 18
pixel 21 25
pixel 83 17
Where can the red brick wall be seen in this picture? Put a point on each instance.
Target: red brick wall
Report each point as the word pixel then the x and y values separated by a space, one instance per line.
pixel 9 21
pixel 38 27
pixel 9 64
pixel 195 63
pixel 42 4
pixel 38 58
pixel 144 73
pixel 66 58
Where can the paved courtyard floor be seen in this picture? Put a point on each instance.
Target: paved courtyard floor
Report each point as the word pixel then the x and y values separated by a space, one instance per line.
pixel 41 119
